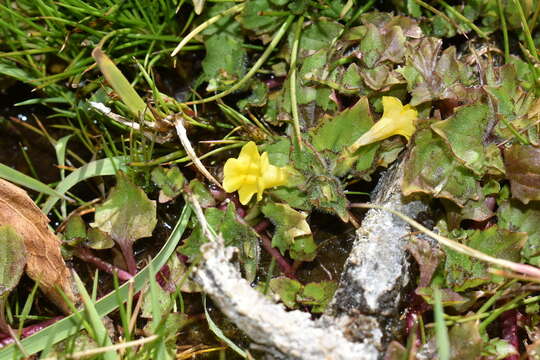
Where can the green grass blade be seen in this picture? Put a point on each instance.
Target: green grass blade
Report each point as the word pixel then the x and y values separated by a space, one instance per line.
pixel 217 331
pixel 19 178
pixel 60 149
pixel 441 332
pixel 120 84
pixel 70 325
pixel 102 337
pixel 101 167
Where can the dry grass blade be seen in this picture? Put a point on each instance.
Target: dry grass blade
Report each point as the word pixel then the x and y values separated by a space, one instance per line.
pixel 182 134
pixel 44 260
pixel 525 269
pixel 116 347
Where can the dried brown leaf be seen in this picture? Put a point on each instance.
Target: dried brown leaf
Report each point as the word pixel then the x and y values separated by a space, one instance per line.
pixel 44 260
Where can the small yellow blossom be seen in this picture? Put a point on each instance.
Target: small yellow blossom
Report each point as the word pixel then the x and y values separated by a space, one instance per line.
pixel 396 120
pixel 251 173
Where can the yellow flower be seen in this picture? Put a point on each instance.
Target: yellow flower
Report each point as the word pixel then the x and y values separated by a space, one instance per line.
pixel 396 120
pixel 251 173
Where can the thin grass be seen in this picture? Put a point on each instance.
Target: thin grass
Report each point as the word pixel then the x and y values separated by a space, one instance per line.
pixel 217 331
pixel 292 82
pixel 441 333
pixel 71 325
pixel 262 59
pixel 205 25
pixel 95 168
pixel 94 319
pixel 29 182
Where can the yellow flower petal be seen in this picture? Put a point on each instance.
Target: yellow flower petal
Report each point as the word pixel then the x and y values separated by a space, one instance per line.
pixel 246 192
pixel 251 173
pixel 233 175
pixel 249 153
pixel 396 120
pixel 271 175
pixel 392 107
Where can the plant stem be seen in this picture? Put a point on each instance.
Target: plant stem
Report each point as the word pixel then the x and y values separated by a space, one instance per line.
pixel 526 30
pixel 127 250
pixel 86 255
pixel 504 31
pixel 285 267
pixel 292 81
pixel 463 18
pixel 29 330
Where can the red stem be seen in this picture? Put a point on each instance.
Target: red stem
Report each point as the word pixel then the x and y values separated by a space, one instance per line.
pixel 261 226
pixel 29 330
pixel 127 250
pixel 285 267
pixel 86 255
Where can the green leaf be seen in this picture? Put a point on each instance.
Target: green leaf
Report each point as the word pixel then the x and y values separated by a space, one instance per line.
pixel 464 132
pixel 475 210
pixel 522 163
pixel 464 272
pixel 503 89
pixel 202 194
pixel 371 46
pixel 170 181
pixel 257 98
pixel 318 295
pixel 278 152
pixel 517 217
pixel 433 77
pixel 499 349
pixel 344 129
pixel 120 84
pixel 292 231
pixel 293 196
pixel 287 290
pixel 253 20
pixel 95 324
pixel 233 232
pixel 225 25
pixel 127 214
pixel 441 332
pixel 12 259
pixel 431 169
pixel 224 63
pixel 319 35
pixel 220 335
pixel 98 240
pixel 75 231
pixel 159 302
